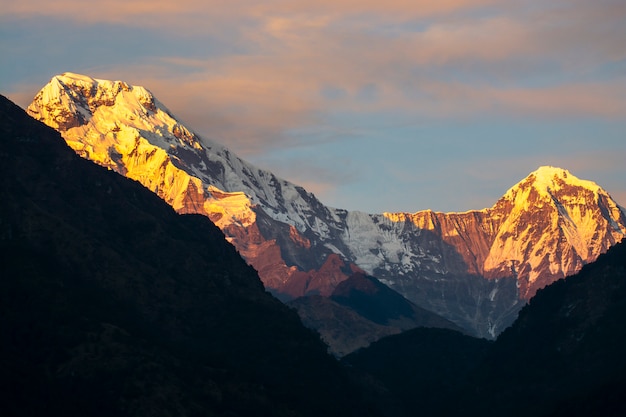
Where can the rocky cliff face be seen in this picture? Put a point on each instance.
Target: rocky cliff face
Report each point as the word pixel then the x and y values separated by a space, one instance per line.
pixel 544 228
pixel 475 268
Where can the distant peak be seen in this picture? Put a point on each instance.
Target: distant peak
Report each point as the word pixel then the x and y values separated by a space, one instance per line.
pixel 545 176
pixel 549 177
pixel 548 174
pixel 88 86
pixel 548 170
pixel 70 76
pixel 547 180
pixel 69 100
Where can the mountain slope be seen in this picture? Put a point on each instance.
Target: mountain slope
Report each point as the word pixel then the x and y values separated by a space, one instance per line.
pixel 378 303
pixel 566 348
pixel 564 356
pixel 360 311
pixel 426 368
pixel 476 268
pixel 113 304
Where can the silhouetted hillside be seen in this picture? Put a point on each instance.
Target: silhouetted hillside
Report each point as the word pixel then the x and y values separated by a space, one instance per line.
pixel 564 356
pixel 380 304
pixel 425 368
pixel 113 304
pixel 360 311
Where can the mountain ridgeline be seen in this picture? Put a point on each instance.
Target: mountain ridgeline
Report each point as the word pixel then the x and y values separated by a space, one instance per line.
pixel 111 303
pixel 476 269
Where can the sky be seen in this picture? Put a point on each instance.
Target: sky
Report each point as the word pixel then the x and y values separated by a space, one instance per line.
pixel 397 105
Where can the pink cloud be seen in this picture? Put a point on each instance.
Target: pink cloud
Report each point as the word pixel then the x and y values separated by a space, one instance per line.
pixel 247 109
pixel 295 49
pixel 451 31
pixel 602 100
pixel 130 11
pixel 251 103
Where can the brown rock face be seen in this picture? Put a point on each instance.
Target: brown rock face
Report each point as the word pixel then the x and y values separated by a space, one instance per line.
pixel 470 234
pixel 322 281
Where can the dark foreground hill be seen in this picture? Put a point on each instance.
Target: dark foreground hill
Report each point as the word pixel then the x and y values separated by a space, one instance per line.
pixel 566 353
pixel 113 304
pixel 426 368
pixel 564 356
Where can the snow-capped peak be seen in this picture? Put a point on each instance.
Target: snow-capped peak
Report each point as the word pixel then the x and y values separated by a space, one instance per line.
pixel 552 178
pixel 103 119
pixel 70 100
pixel 76 78
pixel 544 183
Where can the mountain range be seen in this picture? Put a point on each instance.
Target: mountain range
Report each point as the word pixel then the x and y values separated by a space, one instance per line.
pixel 476 269
pixel 111 303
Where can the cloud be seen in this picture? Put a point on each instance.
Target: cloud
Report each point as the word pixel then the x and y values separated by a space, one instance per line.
pixel 22 94
pixel 252 112
pixel 281 66
pixel 142 11
pixel 582 100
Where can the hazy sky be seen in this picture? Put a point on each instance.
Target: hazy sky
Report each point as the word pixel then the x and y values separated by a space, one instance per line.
pixel 397 105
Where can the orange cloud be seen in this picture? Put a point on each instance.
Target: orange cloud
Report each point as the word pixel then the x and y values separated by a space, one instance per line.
pixel 412 56
pixel 137 11
pixel 251 103
pixel 602 100
pixel 248 109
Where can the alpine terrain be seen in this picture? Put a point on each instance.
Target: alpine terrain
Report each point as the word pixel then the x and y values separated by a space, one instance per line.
pixel 476 268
